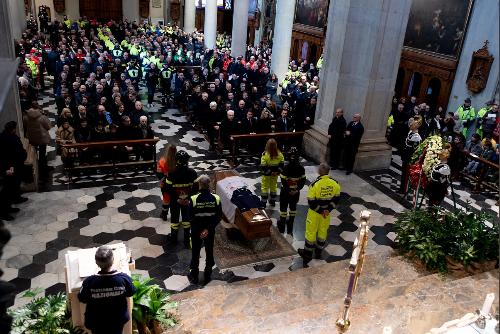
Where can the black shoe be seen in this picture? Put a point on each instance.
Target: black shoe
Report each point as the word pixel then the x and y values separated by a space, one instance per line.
pixel 173 236
pixel 7 218
pixel 13 210
pixel 272 202
pixel 348 172
pixel 193 277
pixel 281 225
pixel 163 215
pixel 307 256
pixel 19 200
pixel 208 276
pixel 334 168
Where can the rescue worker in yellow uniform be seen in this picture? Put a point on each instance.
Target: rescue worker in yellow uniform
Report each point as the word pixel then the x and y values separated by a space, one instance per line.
pixel 204 214
pixel 181 183
pixel 468 117
pixel 323 197
pixel 165 79
pixel 480 115
pixel 271 165
pixel 293 178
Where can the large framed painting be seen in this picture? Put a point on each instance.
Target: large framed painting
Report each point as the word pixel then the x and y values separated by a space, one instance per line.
pixel 438 27
pixel 311 12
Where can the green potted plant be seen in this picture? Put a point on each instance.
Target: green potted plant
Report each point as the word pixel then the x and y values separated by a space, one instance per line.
pixel 44 315
pixel 461 243
pixel 150 306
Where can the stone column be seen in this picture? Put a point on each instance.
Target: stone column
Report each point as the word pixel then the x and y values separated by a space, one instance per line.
pixel 210 31
pixel 166 12
pixel 240 24
pixel 189 15
pixel 130 10
pixel 362 51
pixel 282 37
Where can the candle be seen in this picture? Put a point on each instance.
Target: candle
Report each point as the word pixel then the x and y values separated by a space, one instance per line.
pixel 387 330
pixel 487 304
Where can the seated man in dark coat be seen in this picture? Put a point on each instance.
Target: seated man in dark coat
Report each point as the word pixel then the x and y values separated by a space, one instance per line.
pixel 127 132
pixel 201 111
pixel 135 116
pixel 229 127
pixel 144 131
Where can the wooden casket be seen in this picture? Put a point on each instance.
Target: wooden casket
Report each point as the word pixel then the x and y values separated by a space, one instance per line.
pixel 253 223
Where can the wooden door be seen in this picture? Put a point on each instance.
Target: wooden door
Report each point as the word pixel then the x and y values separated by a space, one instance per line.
pixel 103 10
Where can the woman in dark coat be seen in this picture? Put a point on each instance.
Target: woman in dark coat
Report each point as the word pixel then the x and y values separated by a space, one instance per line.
pixel 83 134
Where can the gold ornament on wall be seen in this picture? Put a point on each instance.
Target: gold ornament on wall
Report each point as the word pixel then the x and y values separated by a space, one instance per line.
pixel 144 8
pixel 175 9
pixel 479 70
pixel 59 5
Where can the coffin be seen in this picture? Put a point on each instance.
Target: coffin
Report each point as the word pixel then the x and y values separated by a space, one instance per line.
pixel 254 223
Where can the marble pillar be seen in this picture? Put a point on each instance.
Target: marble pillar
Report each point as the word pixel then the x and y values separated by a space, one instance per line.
pixel 478 32
pixel 11 110
pixel 240 24
pixel 166 12
pixel 210 31
pixel 131 10
pixel 282 37
pixel 362 51
pixel 189 15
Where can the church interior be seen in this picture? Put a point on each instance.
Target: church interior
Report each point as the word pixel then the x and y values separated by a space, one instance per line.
pixel 388 256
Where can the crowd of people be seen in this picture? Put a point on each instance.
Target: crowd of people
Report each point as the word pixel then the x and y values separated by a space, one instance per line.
pixel 474 132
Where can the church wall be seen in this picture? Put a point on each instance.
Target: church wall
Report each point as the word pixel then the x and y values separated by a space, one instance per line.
pixel 72 9
pixel 483 26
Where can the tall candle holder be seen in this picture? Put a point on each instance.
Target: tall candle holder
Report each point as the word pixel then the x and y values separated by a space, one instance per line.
pixel 343 323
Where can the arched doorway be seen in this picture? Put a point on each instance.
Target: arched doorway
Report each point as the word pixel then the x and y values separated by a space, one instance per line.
pixel 432 94
pixel 303 53
pixel 312 56
pixel 415 84
pixel 400 81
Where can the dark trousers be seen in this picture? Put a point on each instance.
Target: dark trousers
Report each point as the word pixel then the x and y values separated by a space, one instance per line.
pixel 151 92
pixel 349 159
pixel 287 200
pixel 197 242
pixel 10 190
pixel 405 174
pixel 335 152
pixel 42 155
pixel 177 210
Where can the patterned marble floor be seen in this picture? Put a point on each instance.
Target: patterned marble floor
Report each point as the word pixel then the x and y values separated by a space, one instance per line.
pixel 97 210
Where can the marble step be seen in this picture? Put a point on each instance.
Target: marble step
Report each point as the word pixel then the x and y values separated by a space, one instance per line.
pixel 292 295
pixel 414 312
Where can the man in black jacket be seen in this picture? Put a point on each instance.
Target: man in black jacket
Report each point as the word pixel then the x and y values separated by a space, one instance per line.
pixel 354 132
pixel 284 124
pixel 336 132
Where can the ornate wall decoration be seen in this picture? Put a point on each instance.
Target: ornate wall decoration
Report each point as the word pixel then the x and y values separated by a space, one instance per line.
pixel 144 8
pixel 175 9
pixel 268 17
pixel 479 70
pixel 156 3
pixel 59 5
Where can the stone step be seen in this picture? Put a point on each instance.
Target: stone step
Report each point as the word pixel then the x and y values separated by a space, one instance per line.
pixel 286 296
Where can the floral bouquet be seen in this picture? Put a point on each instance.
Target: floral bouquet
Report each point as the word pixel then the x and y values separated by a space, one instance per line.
pixel 424 159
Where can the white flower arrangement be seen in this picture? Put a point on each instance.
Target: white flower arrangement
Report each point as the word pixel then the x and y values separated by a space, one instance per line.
pixel 432 155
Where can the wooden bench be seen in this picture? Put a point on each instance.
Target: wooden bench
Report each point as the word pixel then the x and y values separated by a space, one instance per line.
pixel 114 162
pixel 485 164
pixel 253 136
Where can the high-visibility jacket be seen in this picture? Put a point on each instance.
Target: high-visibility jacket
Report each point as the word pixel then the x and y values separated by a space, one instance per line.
pixel 390 121
pixel 324 194
pixel 33 66
pixel 480 115
pixel 466 113
pixel 134 51
pixel 270 165
pixel 67 23
pixel 284 83
pixel 166 74
pixel 319 64
pixel 117 53
pixel 132 71
pixel 297 73
pixel 204 212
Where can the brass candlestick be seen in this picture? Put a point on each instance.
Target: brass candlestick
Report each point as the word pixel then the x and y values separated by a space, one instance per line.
pixel 355 268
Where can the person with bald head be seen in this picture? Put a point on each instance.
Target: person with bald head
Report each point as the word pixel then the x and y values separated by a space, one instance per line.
pixel 353 134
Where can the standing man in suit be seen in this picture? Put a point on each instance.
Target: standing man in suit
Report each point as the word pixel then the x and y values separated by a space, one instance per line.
pixel 284 124
pixel 336 132
pixel 353 134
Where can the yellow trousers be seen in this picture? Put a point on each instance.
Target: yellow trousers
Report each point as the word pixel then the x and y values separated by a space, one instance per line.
pixel 269 183
pixel 316 224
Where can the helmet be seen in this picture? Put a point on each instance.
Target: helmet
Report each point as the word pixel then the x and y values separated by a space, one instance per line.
pixel 182 158
pixel 294 154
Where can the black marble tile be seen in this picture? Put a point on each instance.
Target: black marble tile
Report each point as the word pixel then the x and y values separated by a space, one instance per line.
pixel 111 190
pixel 139 215
pixel 216 274
pixel 237 279
pixel 145 263
pixel 21 284
pixel 345 218
pixel 55 289
pixel 149 186
pixel 104 197
pixel 79 223
pixel 382 240
pixel 69 233
pixel 167 259
pixel 145 232
pixel 31 270
pixel 88 213
pixel 125 235
pixel 333 258
pixel 371 206
pixel 348 226
pixel 96 205
pixel 158 239
pixel 82 241
pixel 185 255
pixel 344 209
pixel 334 239
pixel 129 187
pixel 347 255
pixel 348 245
pixel 156 212
pixel 356 200
pixel 379 230
pixel 160 272
pixel 344 197
pixel 103 238
pixel 127 208
pixel 57 244
pixel 181 268
pixel 389 227
pixel 157 282
pixel 45 257
pixel 174 247
pixel 386 211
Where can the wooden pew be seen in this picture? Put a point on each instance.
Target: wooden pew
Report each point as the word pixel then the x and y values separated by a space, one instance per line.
pixel 114 162
pixel 275 135
pixel 485 164
pixel 182 68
